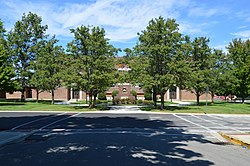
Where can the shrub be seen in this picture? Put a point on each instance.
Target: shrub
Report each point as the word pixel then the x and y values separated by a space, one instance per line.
pixel 139 101
pixel 147 95
pixel 102 96
pixel 101 101
pixel 115 93
pixel 134 93
pixel 148 102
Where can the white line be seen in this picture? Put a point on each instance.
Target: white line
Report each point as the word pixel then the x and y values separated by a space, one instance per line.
pixel 212 132
pixel 59 120
pixel 225 127
pixel 193 123
pixel 215 117
pixel 14 128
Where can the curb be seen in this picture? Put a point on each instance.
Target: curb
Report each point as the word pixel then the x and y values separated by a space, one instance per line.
pixel 234 140
pixel 14 139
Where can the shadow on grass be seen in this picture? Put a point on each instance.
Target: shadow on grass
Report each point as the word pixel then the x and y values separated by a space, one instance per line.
pixel 11 103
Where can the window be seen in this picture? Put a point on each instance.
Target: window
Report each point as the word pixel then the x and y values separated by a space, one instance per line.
pixel 124 90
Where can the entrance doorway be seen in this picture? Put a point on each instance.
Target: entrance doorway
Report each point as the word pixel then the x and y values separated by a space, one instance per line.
pixel 172 93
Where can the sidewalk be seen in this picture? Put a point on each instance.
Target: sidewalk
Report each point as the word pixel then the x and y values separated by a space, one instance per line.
pixel 242 139
pixel 7 137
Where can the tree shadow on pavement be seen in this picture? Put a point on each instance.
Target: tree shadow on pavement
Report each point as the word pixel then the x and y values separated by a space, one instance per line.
pixel 107 141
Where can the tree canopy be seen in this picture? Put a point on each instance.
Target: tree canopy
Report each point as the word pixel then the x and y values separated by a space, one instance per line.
pixel 91 58
pixel 22 41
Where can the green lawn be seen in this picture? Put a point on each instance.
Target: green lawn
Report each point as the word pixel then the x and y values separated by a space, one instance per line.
pixel 41 106
pixel 216 108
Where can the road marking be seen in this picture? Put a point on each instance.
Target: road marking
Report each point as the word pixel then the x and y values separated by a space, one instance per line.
pixel 212 116
pixel 59 120
pixel 193 123
pixel 225 127
pixel 14 128
pixel 212 132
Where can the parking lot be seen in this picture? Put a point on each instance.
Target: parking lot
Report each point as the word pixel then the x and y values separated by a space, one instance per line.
pixel 123 138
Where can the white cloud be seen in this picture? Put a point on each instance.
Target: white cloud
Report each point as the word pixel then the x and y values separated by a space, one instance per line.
pixel 122 19
pixel 199 11
pixel 207 12
pixel 242 34
pixel 245 15
pixel 222 47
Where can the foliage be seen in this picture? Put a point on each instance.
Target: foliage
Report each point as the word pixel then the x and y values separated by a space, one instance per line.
pixel 240 58
pixel 221 80
pixel 115 93
pixel 90 61
pixel 48 66
pixel 134 93
pixel 102 96
pixel 147 95
pixel 124 101
pixel 22 40
pixel 7 84
pixel 161 44
pixel 7 73
pixel 200 66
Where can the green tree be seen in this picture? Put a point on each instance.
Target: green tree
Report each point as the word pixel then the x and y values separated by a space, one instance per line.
pixel 7 73
pixel 7 84
pixel 161 43
pixel 114 93
pixel 48 67
pixel 134 93
pixel 22 40
pixel 92 68
pixel 200 66
pixel 240 58
pixel 221 81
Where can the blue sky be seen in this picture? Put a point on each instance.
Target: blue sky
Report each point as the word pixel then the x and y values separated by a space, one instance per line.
pixel 219 20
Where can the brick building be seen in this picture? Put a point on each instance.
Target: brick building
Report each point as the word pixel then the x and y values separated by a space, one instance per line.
pixel 124 89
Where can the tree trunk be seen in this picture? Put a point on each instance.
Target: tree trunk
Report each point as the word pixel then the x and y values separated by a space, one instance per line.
pixel 37 95
pixel 90 100
pixel 212 95
pixel 22 94
pixel 198 99
pixel 243 100
pixel 53 97
pixel 94 103
pixel 162 100
pixel 86 97
pixel 154 98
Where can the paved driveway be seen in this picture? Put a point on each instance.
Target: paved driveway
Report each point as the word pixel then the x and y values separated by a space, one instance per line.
pixel 123 138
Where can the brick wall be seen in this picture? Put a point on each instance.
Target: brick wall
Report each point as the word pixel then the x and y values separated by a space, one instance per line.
pixel 14 95
pixel 61 93
pixel 188 96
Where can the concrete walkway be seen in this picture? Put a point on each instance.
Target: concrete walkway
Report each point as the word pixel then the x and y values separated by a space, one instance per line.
pixel 242 139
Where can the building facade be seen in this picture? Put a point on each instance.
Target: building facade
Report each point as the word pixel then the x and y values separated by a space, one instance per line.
pixel 67 94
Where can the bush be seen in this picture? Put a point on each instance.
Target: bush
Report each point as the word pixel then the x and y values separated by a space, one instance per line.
pixel 148 96
pixel 139 101
pixel 102 96
pixel 124 101
pixel 148 102
pixel 101 101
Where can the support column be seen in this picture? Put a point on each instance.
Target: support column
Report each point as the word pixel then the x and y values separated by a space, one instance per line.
pixel 80 95
pixel 177 93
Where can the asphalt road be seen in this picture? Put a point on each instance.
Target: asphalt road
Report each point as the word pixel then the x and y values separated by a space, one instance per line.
pixel 122 139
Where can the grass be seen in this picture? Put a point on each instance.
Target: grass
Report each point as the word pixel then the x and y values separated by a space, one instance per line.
pixel 216 108
pixel 41 106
